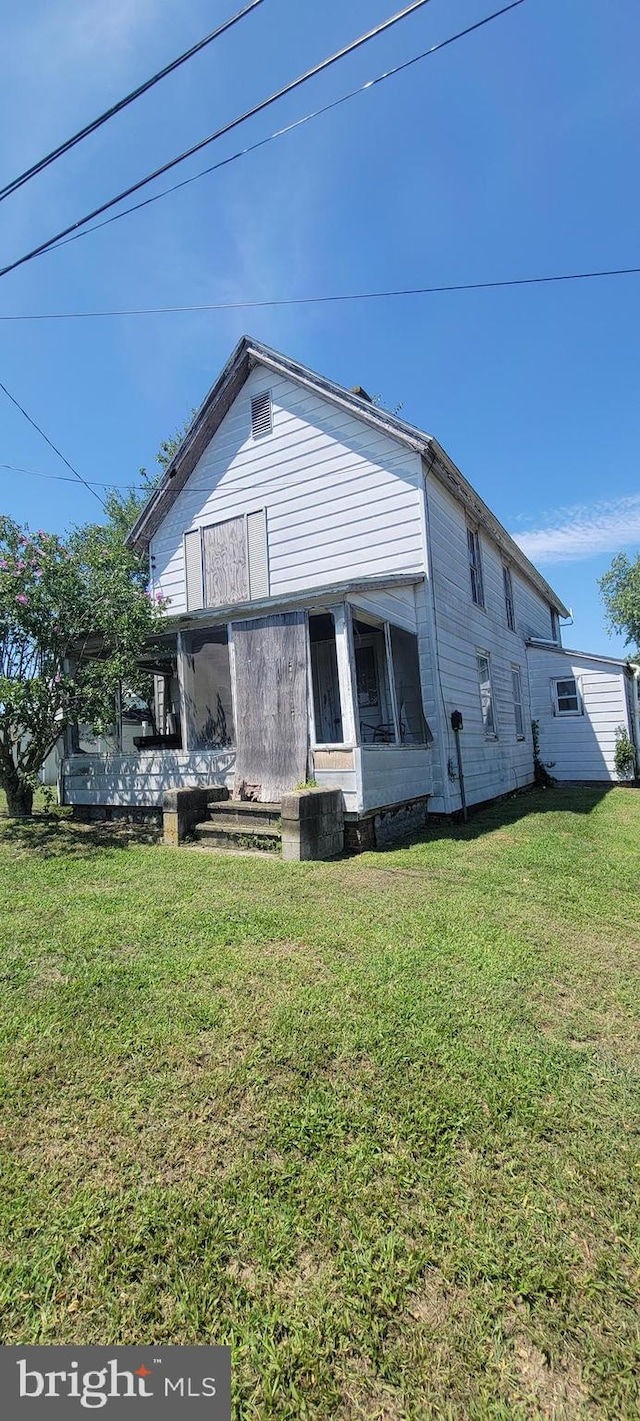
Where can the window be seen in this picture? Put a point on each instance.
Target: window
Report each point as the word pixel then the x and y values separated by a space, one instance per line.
pixel 207 690
pixel 227 562
pixel 327 709
pixel 388 685
pixel 555 625
pixel 406 677
pixel 261 415
pixel 516 682
pixel 566 697
pixel 375 707
pixel 475 567
pixel 486 694
pixel 508 598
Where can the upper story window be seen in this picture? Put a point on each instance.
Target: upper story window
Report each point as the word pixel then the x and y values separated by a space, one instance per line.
pixel 261 414
pixel 508 598
pixel 566 696
pixel 486 693
pixel 555 625
pixel 475 566
pixel 227 562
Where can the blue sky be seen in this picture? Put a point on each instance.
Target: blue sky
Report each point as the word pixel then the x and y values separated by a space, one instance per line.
pixel 513 152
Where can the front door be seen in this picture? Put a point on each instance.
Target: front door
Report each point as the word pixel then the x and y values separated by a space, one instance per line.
pixel 272 734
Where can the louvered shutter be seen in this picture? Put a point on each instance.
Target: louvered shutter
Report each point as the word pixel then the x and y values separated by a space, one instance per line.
pixel 193 570
pixel 257 549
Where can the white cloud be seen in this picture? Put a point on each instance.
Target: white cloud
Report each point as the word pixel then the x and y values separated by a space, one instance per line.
pixel 584 531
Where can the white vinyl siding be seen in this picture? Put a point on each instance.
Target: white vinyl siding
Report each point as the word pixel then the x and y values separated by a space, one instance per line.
pixel 578 746
pixel 492 766
pixel 516 682
pixel 344 500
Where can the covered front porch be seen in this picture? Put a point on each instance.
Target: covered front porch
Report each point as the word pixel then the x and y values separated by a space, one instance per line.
pixel 259 701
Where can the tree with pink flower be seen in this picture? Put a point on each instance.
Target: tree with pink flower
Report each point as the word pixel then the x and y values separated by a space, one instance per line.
pixel 74 619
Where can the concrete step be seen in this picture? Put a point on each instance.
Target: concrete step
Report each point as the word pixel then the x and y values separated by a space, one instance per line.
pixel 238 813
pixel 220 831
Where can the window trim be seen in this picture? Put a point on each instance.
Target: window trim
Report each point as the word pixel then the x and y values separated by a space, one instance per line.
pixel 556 698
pixel 474 559
pixel 509 598
pixel 516 670
pixel 486 656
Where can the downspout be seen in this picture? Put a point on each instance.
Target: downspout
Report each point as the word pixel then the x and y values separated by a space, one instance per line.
pixel 635 699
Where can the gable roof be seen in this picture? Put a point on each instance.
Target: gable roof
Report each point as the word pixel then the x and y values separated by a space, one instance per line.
pixel 249 353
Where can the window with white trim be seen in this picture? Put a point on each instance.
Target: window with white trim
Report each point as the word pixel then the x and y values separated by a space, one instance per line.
pixel 508 598
pixel 486 693
pixel 261 414
pixel 475 566
pixel 566 696
pixel 518 710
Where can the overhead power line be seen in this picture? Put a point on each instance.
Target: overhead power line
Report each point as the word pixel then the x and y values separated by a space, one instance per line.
pixel 220 132
pixel 289 127
pixel 67 478
pixel 97 123
pixel 382 295
pixel 48 441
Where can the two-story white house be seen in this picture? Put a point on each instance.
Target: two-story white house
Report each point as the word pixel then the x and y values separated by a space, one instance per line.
pixel 335 590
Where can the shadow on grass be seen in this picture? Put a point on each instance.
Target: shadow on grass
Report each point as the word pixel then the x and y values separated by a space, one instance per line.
pixel 484 819
pixel 52 836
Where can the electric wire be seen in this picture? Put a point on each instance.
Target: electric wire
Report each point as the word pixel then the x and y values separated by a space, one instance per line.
pixel 220 132
pixel 67 479
pixel 382 295
pixel 289 127
pixel 49 441
pixel 109 113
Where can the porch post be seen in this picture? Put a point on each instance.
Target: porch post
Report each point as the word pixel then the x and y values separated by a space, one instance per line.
pixel 184 677
pixel 346 674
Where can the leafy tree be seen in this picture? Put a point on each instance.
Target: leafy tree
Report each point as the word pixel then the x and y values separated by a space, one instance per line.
pixel 620 590
pixel 59 601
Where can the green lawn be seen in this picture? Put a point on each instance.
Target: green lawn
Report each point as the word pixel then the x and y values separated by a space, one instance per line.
pixel 373 1122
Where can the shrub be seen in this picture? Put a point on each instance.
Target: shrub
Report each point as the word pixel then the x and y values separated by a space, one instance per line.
pixel 625 754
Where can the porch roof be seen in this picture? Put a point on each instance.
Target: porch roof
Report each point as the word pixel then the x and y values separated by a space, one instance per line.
pixel 321 597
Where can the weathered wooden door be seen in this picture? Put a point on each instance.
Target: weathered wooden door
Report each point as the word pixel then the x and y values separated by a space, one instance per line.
pixel 272 734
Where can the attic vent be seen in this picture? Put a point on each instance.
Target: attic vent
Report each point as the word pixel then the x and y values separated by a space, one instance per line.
pixel 261 415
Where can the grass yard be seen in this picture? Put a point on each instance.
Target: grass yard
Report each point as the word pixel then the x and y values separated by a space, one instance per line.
pixel 375 1122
